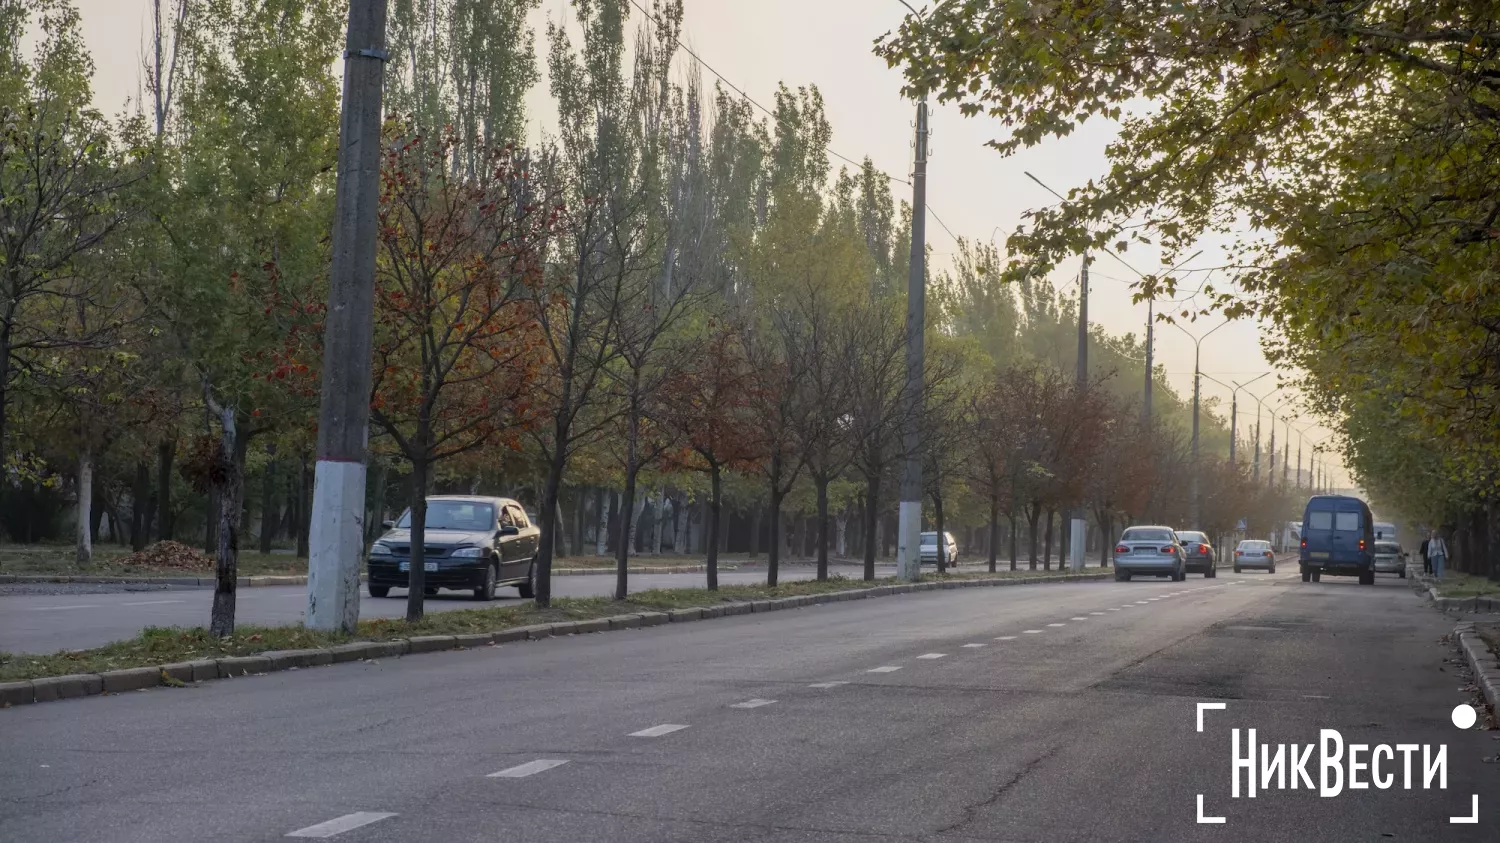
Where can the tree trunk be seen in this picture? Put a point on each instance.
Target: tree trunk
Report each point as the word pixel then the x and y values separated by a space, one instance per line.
pixel 627 508
pixel 994 542
pixel 715 509
pixel 755 525
pixel 580 505
pixel 601 523
pixel 659 520
pixel 842 520
pixel 1047 539
pixel 872 522
pixel 680 524
pixel 1106 528
pixel 83 552
pixel 232 449
pixel 773 556
pixel 304 509
pixel 211 522
pixel 140 508
pixel 416 578
pixel 165 520
pixel 942 534
pixel 1015 536
pixel 822 481
pixel 268 501
pixel 548 505
pixel 1033 515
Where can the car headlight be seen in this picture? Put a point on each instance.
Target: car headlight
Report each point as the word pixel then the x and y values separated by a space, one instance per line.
pixel 469 552
pixel 380 549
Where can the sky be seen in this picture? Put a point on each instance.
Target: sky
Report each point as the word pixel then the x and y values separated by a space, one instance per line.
pixel 972 190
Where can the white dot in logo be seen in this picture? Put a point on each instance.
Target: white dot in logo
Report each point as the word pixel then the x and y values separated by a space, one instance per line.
pixel 1464 716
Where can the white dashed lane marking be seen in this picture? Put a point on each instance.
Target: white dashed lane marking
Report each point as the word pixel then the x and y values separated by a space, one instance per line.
pixel 339 825
pixel 1006 638
pixel 1096 613
pixel 755 703
pixel 530 768
pixel 1031 632
pixel 827 684
pixel 658 731
pixel 1056 624
pixel 1078 619
pixel 886 669
pixel 932 655
pixel 61 608
pixel 152 602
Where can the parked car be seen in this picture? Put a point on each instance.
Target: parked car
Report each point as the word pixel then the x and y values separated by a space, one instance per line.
pixel 1201 556
pixel 1390 559
pixel 1338 537
pixel 1150 551
pixel 929 548
pixel 1254 553
pixel 476 543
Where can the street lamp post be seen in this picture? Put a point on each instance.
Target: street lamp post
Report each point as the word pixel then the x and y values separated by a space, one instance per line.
pixel 1234 408
pixel 1197 388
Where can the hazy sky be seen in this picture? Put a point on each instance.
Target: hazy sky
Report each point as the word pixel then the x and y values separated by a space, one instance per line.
pixel 828 43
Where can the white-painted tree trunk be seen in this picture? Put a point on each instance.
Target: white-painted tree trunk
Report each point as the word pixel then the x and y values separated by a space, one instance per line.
pixel 680 516
pixel 601 529
pixel 84 550
pixel 660 512
pixel 635 522
pixel 842 520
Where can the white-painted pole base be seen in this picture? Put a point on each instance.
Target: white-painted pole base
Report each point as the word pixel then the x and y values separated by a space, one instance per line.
pixel 336 545
pixel 1076 544
pixel 909 541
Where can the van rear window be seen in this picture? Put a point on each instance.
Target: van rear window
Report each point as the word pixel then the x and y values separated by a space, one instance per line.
pixel 1346 521
pixel 1320 520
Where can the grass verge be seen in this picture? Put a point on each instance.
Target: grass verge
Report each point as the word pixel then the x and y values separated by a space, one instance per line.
pixel 1456 584
pixel 165 645
pixel 58 562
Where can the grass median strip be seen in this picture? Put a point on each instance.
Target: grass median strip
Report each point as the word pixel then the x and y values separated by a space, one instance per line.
pixel 1461 585
pixel 173 645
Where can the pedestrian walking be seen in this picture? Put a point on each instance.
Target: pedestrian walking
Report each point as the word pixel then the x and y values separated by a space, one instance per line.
pixel 1437 551
pixel 1426 560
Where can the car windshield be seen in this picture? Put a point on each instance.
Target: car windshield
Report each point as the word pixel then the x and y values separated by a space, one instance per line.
pixel 1136 534
pixel 1192 537
pixel 929 539
pixel 454 515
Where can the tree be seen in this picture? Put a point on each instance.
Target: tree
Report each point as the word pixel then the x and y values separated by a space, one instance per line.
pixel 456 344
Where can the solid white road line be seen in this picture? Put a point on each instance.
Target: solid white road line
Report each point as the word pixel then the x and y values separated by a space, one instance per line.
pixel 827 684
pixel 339 825
pixel 1006 638
pixel 60 608
pixel 658 731
pixel 887 669
pixel 530 768
pixel 972 646
pixel 932 655
pixel 153 602
pixel 755 703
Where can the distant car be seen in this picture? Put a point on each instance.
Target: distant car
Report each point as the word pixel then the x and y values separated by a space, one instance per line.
pixel 929 549
pixel 1201 556
pixel 1254 553
pixel 1150 551
pixel 1338 537
pixel 472 543
pixel 1390 559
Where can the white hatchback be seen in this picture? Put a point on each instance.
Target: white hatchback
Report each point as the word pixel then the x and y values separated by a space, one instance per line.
pixel 1252 553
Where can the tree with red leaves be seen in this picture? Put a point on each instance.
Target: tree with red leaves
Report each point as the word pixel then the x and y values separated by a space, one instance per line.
pixel 456 340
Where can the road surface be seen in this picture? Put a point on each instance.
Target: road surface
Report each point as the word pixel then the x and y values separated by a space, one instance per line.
pixel 1042 713
pixel 74 618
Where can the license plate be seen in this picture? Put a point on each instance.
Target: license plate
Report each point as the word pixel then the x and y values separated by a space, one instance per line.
pixel 1318 554
pixel 426 566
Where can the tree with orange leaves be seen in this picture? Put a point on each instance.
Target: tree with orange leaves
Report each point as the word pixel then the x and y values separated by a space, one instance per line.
pixel 456 339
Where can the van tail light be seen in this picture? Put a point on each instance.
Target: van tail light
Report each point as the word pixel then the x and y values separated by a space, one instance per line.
pixel 1361 544
pixel 1122 549
pixel 1304 542
pixel 1169 550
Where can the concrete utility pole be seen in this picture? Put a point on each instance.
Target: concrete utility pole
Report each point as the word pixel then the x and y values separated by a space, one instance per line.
pixel 1078 538
pixel 336 535
pixel 1150 361
pixel 1286 456
pixel 909 523
pixel 1234 408
pixel 1197 500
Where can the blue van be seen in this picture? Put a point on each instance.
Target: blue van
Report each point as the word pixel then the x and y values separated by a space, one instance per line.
pixel 1338 537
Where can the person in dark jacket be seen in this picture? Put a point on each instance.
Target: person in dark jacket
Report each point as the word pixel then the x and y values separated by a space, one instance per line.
pixel 1426 561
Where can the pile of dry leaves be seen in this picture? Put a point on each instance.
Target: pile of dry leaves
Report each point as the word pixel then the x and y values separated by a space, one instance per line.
pixel 168 554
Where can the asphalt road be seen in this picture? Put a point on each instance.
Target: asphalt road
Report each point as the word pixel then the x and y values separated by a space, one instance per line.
pixel 1074 720
pixel 74 617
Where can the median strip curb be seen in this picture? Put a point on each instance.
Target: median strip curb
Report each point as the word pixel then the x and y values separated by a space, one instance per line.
pixel 1482 662
pixel 301 579
pixel 52 688
pixel 1471 605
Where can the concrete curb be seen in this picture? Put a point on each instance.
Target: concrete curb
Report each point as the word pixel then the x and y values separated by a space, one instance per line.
pixel 52 688
pixel 1427 586
pixel 301 579
pixel 1484 663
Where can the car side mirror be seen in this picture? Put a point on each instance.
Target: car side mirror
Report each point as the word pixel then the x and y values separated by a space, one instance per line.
pixel 388 525
pixel 509 530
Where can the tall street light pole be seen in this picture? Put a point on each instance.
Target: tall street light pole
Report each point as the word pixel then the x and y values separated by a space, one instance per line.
pixel 909 523
pixel 1234 408
pixel 1197 491
pixel 336 540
